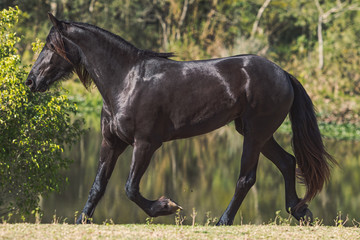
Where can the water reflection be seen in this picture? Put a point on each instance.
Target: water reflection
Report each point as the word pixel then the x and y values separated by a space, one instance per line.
pixel 201 173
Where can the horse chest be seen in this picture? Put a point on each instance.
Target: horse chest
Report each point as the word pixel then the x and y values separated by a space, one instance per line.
pixel 122 126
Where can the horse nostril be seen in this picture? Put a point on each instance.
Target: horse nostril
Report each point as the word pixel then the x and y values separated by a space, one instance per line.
pixel 29 82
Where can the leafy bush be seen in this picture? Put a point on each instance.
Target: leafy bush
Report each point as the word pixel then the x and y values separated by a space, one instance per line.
pixel 34 128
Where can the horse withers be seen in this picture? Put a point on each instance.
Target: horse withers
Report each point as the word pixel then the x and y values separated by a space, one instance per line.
pixel 149 99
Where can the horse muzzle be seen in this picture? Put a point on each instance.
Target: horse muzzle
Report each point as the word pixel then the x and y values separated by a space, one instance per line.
pixel 31 83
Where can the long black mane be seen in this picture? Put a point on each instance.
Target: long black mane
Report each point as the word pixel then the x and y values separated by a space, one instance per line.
pixel 56 43
pixel 122 43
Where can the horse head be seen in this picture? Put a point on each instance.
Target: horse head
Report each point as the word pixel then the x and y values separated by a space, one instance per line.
pixel 57 60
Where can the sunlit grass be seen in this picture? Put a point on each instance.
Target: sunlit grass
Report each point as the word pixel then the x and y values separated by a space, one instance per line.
pixel 92 231
pixel 278 228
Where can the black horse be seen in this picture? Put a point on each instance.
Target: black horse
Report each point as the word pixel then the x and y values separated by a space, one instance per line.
pixel 149 99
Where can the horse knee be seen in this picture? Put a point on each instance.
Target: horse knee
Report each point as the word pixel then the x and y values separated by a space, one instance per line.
pixel 131 192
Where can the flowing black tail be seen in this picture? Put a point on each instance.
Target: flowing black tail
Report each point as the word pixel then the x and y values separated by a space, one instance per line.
pixel 312 159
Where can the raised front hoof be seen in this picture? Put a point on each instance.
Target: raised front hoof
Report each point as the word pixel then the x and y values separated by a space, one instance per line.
pixel 303 214
pixel 163 206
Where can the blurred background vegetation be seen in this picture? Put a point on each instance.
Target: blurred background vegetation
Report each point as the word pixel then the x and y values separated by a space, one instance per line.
pixel 317 41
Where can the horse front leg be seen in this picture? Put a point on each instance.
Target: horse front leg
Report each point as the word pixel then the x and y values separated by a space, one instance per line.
pixel 109 153
pixel 142 154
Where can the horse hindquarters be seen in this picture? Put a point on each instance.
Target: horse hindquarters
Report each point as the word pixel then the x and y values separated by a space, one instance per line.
pixel 262 117
pixel 309 151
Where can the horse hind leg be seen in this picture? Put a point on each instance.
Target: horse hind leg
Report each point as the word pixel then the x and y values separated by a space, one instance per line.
pixel 257 130
pixel 286 163
pixel 142 154
pixel 247 178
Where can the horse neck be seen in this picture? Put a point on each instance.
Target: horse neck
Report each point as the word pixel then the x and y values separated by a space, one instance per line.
pixel 106 58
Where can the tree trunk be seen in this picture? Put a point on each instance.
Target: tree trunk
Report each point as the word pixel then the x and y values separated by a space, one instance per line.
pixel 258 17
pixel 320 42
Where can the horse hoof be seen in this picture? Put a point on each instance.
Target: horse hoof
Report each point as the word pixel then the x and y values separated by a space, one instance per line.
pixel 224 222
pixel 83 219
pixel 308 217
pixel 164 206
pixel 303 214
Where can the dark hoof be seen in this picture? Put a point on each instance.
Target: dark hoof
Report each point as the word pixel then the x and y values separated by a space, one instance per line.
pixel 303 214
pixel 224 222
pixel 164 206
pixel 221 223
pixel 308 217
pixel 83 219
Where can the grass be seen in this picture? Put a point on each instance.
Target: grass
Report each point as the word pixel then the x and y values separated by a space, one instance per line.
pixel 279 228
pixel 152 231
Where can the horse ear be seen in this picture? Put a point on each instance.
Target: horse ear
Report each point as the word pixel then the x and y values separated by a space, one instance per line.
pixel 57 23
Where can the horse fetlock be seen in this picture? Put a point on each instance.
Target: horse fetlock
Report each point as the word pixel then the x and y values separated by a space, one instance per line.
pixel 292 205
pixel 131 192
pixel 163 206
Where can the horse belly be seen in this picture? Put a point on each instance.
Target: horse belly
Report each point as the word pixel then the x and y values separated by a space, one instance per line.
pixel 203 122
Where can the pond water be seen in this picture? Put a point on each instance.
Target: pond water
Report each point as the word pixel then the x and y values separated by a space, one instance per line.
pixel 200 173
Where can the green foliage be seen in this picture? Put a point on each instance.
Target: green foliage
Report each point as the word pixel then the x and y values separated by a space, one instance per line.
pixel 34 129
pixel 340 131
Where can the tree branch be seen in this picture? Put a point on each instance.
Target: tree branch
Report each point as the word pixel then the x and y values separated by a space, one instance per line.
pixel 183 13
pixel 182 18
pixel 258 17
pixel 324 17
pixel 209 19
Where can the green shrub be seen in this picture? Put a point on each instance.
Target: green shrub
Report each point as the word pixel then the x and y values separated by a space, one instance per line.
pixel 34 128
